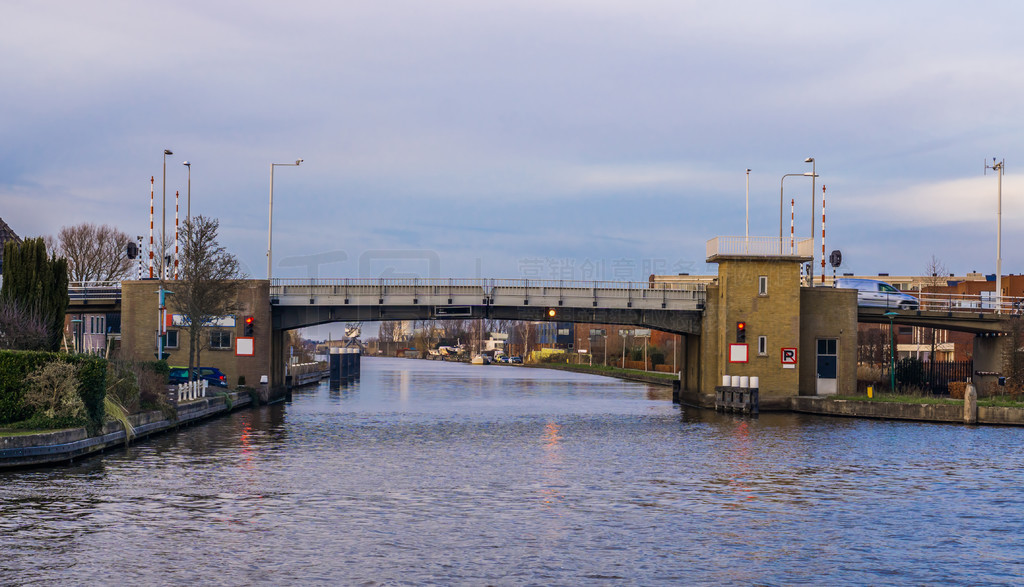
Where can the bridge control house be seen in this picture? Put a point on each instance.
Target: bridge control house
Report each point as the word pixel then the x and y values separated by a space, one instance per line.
pixel 759 322
pixel 226 345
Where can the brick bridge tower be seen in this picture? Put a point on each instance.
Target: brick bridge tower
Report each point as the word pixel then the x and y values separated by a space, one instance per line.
pixel 759 321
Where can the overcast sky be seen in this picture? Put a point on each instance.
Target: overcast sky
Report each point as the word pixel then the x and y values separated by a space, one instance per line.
pixel 556 138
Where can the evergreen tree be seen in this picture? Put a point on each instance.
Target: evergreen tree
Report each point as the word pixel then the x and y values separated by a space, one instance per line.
pixel 37 284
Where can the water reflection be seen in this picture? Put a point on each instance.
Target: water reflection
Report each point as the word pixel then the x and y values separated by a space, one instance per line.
pixel 441 473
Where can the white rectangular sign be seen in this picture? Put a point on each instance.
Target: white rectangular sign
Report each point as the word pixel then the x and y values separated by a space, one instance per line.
pixel 738 353
pixel 221 321
pixel 244 346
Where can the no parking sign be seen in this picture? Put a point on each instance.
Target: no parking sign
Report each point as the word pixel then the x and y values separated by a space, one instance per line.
pixel 789 358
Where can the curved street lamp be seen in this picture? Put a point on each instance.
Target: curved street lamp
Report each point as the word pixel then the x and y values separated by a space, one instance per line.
pixel 270 221
pixel 163 221
pixel 781 184
pixel 814 175
pixel 892 352
pixel 188 206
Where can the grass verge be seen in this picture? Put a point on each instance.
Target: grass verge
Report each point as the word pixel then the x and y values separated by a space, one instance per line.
pixel 998 401
pixel 608 370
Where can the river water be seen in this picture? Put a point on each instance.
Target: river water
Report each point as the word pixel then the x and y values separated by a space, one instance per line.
pixel 442 473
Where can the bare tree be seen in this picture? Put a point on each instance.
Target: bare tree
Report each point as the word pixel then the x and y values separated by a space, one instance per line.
pixel 94 253
pixel 209 287
pixel 20 329
pixel 934 276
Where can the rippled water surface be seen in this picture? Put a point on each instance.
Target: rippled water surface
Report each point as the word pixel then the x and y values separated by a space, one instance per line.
pixel 426 472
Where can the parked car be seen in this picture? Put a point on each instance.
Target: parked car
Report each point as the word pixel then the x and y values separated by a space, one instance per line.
pixel 213 375
pixel 515 360
pixel 177 375
pixel 871 292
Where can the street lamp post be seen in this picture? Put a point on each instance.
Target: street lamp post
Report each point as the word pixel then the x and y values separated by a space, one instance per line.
pixel 998 168
pixel 163 221
pixel 781 184
pixel 270 220
pixel 746 230
pixel 188 205
pixel 892 352
pixel 814 175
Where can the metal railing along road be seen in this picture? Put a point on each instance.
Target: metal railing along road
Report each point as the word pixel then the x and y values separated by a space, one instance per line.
pixel 94 290
pixel 759 246
pixel 934 302
pixel 487 287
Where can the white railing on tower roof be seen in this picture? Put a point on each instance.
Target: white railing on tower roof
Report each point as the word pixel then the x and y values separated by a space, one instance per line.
pixel 759 246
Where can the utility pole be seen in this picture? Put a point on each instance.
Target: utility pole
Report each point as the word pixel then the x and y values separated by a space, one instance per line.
pixel 998 168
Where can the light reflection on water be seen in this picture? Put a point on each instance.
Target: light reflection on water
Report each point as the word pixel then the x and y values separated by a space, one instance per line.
pixel 442 473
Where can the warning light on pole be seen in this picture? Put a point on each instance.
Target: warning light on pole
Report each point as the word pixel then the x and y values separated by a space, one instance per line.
pixel 551 312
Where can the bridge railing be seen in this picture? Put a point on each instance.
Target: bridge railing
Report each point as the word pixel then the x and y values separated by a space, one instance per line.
pixel 974 303
pixel 759 246
pixel 94 290
pixel 284 286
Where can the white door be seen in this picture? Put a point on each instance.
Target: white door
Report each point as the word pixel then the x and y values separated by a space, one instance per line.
pixel 827 365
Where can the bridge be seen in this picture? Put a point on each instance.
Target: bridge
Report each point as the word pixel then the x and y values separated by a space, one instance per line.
pixel 672 308
pixel 810 327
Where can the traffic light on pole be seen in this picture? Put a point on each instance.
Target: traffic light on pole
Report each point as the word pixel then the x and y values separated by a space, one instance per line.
pixel 551 312
pixel 247 330
pixel 741 332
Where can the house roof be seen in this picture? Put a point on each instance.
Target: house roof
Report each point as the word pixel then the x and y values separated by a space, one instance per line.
pixel 6 234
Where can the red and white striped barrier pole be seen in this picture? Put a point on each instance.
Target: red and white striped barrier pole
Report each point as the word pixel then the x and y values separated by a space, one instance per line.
pixel 792 217
pixel 822 234
pixel 151 188
pixel 176 235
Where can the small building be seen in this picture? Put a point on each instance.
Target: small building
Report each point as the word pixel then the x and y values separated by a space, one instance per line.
pixel 759 322
pixel 225 345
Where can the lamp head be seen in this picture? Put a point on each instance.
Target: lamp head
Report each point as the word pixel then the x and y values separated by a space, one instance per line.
pixel 809 160
pixel 298 161
pixel 168 152
pixel 187 164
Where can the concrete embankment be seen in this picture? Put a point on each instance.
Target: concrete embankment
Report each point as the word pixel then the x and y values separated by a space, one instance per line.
pixel 638 376
pixel 67 445
pixel 949 412
pixel 825 406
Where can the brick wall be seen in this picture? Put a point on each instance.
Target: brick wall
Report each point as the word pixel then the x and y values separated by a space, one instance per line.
pixel 139 301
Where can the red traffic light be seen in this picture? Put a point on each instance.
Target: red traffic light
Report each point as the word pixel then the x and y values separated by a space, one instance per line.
pixel 248 320
pixel 741 326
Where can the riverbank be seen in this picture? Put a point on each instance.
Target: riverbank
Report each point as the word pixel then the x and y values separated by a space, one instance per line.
pixel 651 377
pixel 61 446
pixel 924 409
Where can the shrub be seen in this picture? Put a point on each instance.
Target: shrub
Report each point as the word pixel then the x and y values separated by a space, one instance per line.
pixel 92 376
pixel 123 384
pixel 152 379
pixel 957 389
pixel 52 392
pixel 15 367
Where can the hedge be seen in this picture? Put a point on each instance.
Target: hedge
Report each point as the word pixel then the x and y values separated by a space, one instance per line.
pixel 15 365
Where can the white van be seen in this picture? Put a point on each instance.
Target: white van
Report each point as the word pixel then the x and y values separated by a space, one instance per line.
pixel 875 293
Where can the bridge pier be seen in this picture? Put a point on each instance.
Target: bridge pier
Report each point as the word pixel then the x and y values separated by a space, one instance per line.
pixel 989 351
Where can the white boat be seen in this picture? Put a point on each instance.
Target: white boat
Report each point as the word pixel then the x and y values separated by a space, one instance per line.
pixel 479 360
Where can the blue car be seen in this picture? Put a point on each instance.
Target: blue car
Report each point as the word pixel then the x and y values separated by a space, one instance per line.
pixel 212 375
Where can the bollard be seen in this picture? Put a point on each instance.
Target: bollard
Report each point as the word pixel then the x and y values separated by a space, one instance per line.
pixel 871 391
pixel 970 404
pixel 744 381
pixel 264 389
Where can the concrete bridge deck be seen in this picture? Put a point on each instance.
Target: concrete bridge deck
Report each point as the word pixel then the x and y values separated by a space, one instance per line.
pixel 301 303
